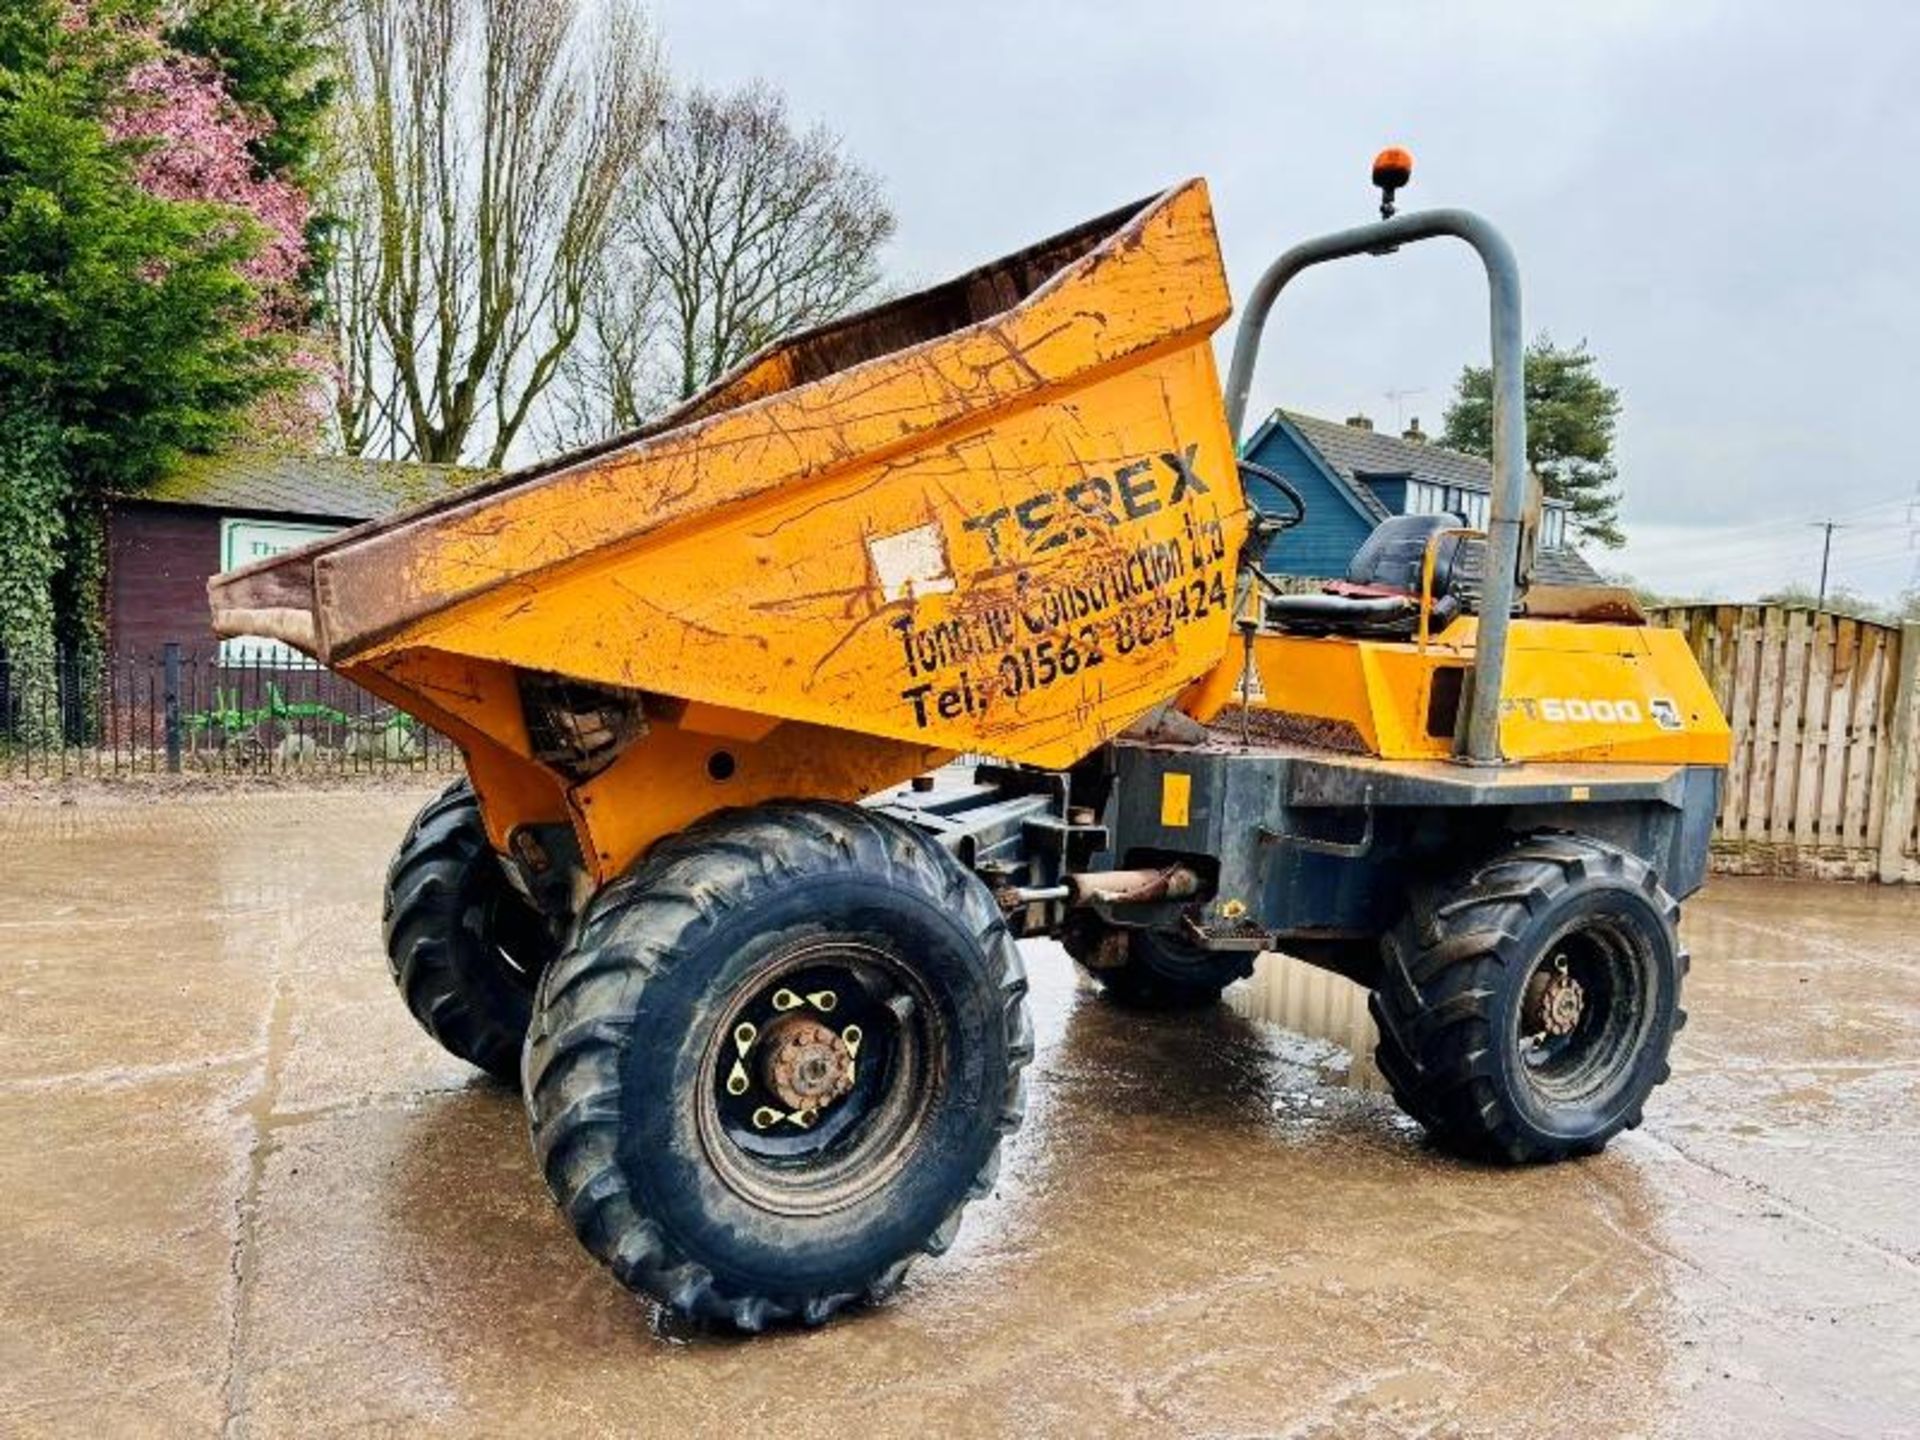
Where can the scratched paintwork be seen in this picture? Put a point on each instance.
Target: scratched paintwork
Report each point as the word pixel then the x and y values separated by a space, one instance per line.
pixel 728 560
pixel 1064 462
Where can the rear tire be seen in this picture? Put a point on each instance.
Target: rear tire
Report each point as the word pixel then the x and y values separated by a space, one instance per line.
pixel 1154 971
pixel 463 946
pixel 710 1120
pixel 1526 1011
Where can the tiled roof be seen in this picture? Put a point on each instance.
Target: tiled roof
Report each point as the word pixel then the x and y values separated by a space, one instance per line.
pixel 325 486
pixel 1550 567
pixel 1355 452
pixel 1352 452
pixel 1565 566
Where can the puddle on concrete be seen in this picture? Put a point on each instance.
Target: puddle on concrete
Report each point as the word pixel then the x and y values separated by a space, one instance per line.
pixel 337 1228
pixel 1318 1006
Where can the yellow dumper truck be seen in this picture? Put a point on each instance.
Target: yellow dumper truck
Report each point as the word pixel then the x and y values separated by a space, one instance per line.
pixel 754 965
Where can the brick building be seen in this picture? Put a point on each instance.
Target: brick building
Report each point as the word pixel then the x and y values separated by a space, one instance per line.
pixel 212 513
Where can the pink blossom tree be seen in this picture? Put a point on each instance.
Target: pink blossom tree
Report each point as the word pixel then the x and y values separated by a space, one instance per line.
pixel 195 145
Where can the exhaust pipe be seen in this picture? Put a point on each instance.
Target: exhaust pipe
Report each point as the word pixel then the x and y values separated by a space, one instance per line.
pixel 1108 887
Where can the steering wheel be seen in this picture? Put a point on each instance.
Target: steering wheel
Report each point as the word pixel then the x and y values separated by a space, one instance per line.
pixel 1265 522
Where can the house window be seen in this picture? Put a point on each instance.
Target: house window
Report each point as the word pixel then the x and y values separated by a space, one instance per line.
pixel 1426 498
pixel 1553 529
pixel 241 543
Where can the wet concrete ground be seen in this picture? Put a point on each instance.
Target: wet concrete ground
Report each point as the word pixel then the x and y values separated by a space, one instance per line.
pixel 240 1191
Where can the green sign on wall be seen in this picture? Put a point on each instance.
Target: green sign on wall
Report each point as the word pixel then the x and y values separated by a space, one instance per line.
pixel 242 542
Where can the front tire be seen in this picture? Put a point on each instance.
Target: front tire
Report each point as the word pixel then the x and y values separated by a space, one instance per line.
pixel 1526 1011
pixel 777 1062
pixel 463 947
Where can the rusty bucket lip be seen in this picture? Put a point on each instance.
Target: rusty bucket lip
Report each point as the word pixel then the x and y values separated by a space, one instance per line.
pixel 299 582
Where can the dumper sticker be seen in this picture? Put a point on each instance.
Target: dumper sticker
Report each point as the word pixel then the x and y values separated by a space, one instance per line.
pixel 1176 799
pixel 911 564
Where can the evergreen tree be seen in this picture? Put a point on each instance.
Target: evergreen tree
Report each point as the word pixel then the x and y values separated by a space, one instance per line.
pixel 1571 419
pixel 128 325
pixel 276 62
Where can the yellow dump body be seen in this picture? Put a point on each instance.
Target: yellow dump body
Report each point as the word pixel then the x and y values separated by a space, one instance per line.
pixel 999 515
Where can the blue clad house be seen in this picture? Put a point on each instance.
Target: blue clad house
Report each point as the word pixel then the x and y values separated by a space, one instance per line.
pixel 1352 477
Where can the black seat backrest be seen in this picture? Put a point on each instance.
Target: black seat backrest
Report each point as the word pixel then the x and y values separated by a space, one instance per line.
pixel 1392 555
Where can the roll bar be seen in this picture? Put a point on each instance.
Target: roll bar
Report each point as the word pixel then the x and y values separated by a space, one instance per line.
pixel 1477 741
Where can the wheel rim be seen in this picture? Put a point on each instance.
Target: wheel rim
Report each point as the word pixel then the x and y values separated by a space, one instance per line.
pixel 514 937
pixel 818 1080
pixel 1584 1011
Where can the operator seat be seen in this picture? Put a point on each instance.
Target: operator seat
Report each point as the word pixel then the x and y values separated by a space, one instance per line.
pixel 1381 594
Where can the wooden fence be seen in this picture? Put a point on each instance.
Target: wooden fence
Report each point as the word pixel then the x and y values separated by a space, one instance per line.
pixel 1826 727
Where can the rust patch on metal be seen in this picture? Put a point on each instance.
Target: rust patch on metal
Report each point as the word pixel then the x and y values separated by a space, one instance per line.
pixel 807 1065
pixel 1286 727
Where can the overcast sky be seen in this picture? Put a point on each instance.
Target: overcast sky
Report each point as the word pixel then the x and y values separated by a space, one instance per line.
pixel 1717 197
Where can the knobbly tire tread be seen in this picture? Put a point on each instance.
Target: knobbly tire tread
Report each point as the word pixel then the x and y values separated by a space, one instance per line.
pixel 1439 982
pixel 630 934
pixel 1147 982
pixel 420 922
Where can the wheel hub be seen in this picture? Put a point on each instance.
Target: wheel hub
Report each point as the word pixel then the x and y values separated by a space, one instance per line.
pixel 805 1063
pixel 821 1073
pixel 1555 1002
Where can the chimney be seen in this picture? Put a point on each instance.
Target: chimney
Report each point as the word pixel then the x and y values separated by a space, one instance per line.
pixel 1359 422
pixel 1414 433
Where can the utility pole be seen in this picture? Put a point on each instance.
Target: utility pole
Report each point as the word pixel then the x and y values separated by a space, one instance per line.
pixel 1826 553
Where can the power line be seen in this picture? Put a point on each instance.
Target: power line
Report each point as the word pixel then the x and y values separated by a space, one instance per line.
pixel 1765 564
pixel 1791 522
pixel 1850 558
pixel 1780 531
pixel 1770 552
pixel 1913 537
pixel 1783 550
pixel 1894 550
pixel 1760 569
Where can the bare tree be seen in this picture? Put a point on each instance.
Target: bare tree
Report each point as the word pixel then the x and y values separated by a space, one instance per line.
pixel 366 398
pixel 751 230
pixel 485 148
pixel 606 382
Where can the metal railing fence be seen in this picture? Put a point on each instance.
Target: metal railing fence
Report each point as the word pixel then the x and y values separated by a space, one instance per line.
pixel 184 713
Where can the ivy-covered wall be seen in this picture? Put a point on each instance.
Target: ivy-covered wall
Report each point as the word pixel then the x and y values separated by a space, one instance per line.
pixel 32 530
